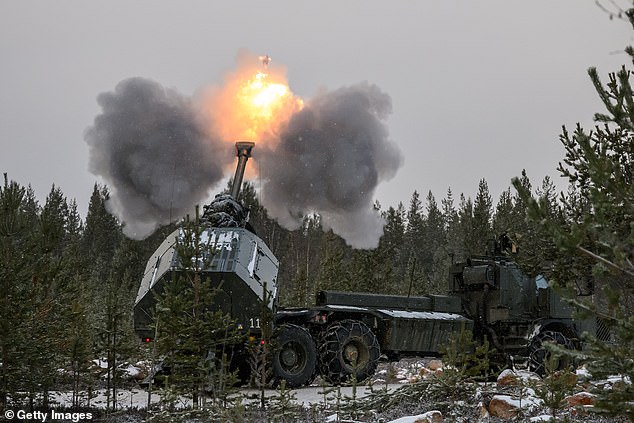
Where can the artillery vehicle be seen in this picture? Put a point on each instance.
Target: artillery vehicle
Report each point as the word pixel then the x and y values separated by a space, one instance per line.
pixel 345 333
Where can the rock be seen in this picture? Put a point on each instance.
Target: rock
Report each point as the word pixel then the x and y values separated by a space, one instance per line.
pixel 504 407
pixel 508 378
pixel 580 398
pixel 581 402
pixel 434 416
pixel 434 365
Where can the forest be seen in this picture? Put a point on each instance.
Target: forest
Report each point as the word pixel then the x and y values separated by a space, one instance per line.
pixel 69 283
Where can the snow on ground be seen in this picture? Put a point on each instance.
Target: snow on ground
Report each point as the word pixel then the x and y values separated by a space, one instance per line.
pixel 126 398
pixel 542 418
pixel 429 417
pixel 391 376
pixel 311 395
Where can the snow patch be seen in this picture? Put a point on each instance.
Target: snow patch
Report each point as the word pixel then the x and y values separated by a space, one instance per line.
pixel 435 315
pixel 542 418
pixel 430 416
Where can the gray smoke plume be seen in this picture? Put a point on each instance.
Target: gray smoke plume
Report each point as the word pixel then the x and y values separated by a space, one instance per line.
pixel 329 160
pixel 153 152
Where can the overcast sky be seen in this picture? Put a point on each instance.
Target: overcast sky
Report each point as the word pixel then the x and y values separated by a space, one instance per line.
pixel 479 89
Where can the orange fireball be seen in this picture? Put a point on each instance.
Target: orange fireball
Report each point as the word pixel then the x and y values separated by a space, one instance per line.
pixel 264 104
pixel 253 104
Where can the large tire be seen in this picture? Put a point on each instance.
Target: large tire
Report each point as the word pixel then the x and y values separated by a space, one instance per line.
pixel 538 354
pixel 348 349
pixel 294 356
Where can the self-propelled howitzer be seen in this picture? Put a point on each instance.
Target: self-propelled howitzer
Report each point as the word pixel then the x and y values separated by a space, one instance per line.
pixel 242 265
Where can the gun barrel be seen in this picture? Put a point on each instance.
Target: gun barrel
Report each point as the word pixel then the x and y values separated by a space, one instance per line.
pixel 243 150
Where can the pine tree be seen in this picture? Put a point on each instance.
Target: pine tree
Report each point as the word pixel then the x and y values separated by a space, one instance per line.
pixel 333 272
pixel 435 259
pixel 101 234
pixel 100 239
pixel 76 341
pixel 194 336
pixel 310 257
pixel 300 263
pixel 42 353
pixel 466 242
pixel 504 219
pixel 451 220
pixel 415 244
pixel 117 340
pixel 596 242
pixel 16 249
pixel 482 213
pixel 519 203
pixel 100 245
pixel 393 241
pixel 371 270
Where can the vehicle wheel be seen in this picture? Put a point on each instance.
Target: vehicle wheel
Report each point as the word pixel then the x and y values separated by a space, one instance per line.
pixel 538 354
pixel 348 349
pixel 294 357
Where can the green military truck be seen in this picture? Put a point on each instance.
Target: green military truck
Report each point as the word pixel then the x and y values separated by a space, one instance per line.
pixel 346 333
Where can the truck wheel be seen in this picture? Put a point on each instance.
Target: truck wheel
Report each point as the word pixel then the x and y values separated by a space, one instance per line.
pixel 348 349
pixel 538 354
pixel 295 356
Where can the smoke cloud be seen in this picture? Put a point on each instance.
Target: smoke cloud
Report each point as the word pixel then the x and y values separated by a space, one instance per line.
pixel 161 152
pixel 154 153
pixel 330 159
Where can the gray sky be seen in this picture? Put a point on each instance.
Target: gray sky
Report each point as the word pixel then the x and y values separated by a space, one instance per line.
pixel 479 89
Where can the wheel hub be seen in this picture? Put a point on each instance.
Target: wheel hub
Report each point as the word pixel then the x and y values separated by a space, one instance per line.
pixel 289 357
pixel 351 353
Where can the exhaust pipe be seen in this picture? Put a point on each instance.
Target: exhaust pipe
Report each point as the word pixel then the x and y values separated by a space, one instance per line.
pixel 243 149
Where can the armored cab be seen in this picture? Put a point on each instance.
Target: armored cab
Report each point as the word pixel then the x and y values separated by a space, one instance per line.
pixel 518 314
pixel 242 265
